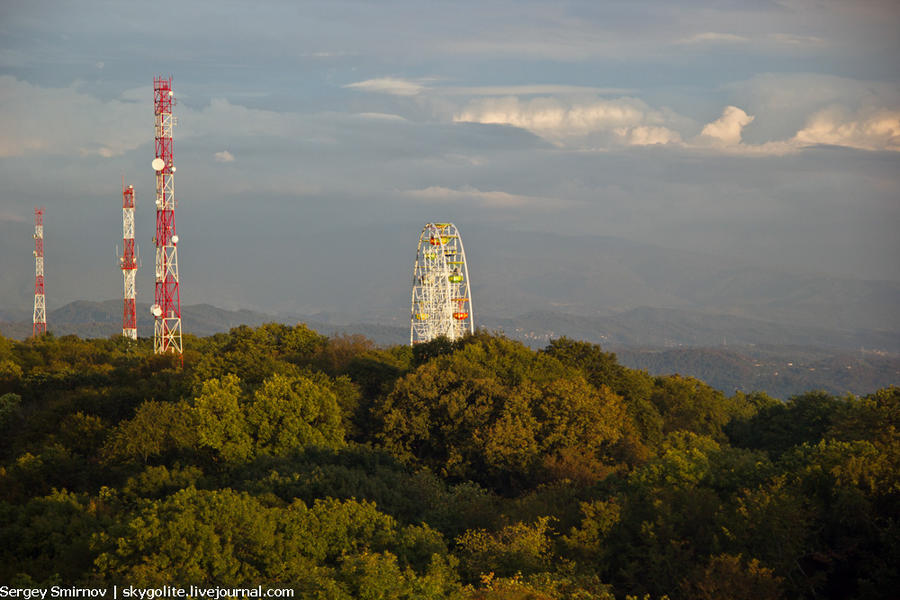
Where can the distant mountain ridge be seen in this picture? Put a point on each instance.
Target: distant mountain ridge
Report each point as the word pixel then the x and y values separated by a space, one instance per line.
pixel 729 352
pixel 86 318
pixel 780 371
pixel 639 327
pixel 662 327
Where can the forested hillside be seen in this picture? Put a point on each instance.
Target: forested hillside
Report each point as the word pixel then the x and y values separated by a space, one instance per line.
pixel 780 371
pixel 479 469
pixel 778 359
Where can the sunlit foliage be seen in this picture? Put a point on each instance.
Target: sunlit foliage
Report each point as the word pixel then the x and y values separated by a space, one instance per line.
pixel 473 469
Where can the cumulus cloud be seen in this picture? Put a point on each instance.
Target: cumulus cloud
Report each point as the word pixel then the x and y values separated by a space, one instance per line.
pixel 224 156
pixel 866 130
pixel 726 130
pixel 623 120
pixel 603 123
pixel 550 115
pixel 646 135
pixel 389 85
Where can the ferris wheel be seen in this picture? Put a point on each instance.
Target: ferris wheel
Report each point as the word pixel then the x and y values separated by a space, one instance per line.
pixel 441 301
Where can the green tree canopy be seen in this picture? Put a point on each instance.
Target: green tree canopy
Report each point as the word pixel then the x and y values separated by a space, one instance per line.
pixel 290 413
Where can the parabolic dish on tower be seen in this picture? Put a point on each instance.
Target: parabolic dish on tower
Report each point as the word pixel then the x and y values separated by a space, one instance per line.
pixel 441 299
pixel 158 164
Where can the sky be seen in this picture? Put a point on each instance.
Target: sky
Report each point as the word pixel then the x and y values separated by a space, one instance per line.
pixel 311 134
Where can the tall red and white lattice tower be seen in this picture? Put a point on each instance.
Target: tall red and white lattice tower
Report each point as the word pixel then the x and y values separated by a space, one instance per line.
pixel 128 263
pixel 40 308
pixel 166 307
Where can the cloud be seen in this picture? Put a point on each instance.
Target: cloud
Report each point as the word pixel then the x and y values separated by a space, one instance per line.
pixel 807 92
pixel 488 199
pixel 726 130
pixel 796 40
pixel 68 121
pixel 759 39
pixel 388 85
pixel 530 90
pixel 61 121
pixel 647 135
pixel 36 120
pixel 380 116
pixel 137 94
pixel 239 121
pixel 550 115
pixel 623 120
pixel 327 54
pixel 606 123
pixel 866 130
pixel 413 87
pixel 714 37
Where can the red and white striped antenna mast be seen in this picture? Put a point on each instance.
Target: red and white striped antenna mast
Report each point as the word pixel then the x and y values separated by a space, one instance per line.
pixel 128 263
pixel 166 308
pixel 40 307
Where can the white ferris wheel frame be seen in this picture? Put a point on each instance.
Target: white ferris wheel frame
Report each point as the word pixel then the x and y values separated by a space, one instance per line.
pixel 441 294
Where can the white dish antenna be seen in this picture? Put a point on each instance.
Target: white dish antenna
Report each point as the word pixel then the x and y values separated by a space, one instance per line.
pixel 156 310
pixel 158 164
pixel 174 239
